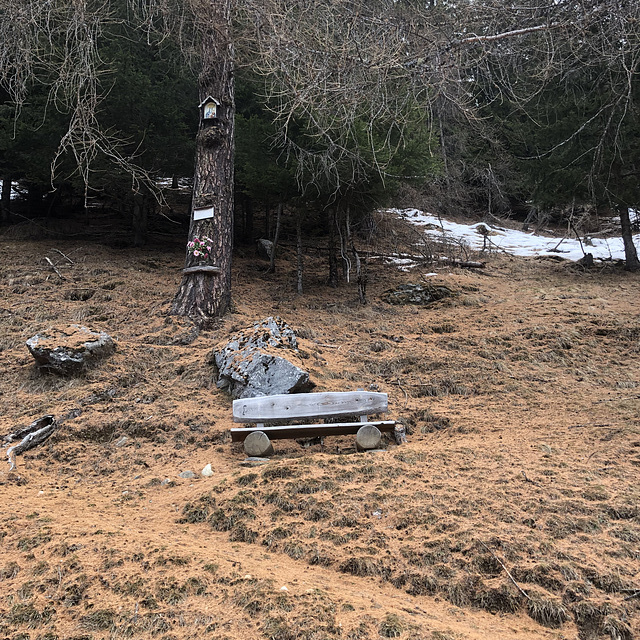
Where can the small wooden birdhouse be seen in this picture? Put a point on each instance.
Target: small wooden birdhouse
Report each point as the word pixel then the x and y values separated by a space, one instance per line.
pixel 209 108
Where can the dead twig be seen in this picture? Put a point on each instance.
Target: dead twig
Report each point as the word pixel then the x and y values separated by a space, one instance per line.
pixel 592 424
pixel 53 266
pixel 406 395
pixel 67 258
pixel 527 479
pixel 518 587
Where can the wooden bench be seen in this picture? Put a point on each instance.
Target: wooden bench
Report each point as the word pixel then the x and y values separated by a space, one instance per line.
pixel 266 410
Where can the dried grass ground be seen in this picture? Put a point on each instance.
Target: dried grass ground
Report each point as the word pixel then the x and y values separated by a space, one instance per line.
pixel 522 399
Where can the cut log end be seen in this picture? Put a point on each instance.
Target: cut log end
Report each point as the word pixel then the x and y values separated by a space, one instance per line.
pixel 258 445
pixel 368 437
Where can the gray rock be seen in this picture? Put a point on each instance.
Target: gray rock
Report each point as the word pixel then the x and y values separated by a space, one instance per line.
pixel 122 441
pixel 69 351
pixel 258 445
pixel 261 361
pixel 187 474
pixel 420 294
pixel 264 248
pixel 368 437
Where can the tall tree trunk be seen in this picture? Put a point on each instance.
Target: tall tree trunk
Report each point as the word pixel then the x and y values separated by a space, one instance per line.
pixel 333 258
pixel 345 242
pixel 299 252
pixel 276 237
pixel 631 255
pixel 361 274
pixel 207 293
pixel 267 219
pixel 5 201
pixel 139 220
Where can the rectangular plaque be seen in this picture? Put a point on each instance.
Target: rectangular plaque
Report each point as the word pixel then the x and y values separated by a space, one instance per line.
pixel 203 214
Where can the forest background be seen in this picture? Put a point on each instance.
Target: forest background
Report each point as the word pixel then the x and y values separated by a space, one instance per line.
pixel 490 109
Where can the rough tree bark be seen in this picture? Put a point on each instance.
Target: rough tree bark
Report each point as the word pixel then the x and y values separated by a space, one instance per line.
pixel 276 237
pixel 207 294
pixel 300 257
pixel 333 258
pixel 5 201
pixel 631 255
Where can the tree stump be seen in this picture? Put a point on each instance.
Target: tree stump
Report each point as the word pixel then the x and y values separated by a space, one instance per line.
pixel 258 445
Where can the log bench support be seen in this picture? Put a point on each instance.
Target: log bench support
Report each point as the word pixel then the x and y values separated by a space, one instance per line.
pixel 267 410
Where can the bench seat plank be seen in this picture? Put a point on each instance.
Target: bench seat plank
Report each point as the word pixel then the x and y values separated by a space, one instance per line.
pixel 310 430
pixel 309 405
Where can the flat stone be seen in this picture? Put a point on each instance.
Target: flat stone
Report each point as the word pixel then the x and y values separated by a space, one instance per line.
pixel 69 351
pixel 187 474
pixel 418 294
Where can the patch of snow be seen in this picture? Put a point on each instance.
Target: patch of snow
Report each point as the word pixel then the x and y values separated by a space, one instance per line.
pixel 15 191
pixel 183 183
pixel 512 241
pixel 404 264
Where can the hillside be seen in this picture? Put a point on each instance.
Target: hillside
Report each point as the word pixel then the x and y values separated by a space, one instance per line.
pixel 521 468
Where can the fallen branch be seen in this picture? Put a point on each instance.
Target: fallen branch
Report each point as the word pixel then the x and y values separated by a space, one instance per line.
pixel 518 587
pixel 527 479
pixel 443 260
pixel 67 258
pixel 463 264
pixel 329 346
pixel 53 266
pixel 591 424
pixel 33 435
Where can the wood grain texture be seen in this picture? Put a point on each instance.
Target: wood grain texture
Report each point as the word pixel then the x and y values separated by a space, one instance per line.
pixel 310 430
pixel 308 405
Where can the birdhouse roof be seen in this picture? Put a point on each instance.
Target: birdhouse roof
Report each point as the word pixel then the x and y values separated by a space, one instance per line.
pixel 209 99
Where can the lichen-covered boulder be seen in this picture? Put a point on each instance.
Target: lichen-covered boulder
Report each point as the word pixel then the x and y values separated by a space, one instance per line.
pixel 419 294
pixel 264 248
pixel 261 360
pixel 70 350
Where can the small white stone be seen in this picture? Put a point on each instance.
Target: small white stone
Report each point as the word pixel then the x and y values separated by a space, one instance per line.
pixel 207 472
pixel 284 589
pixel 248 577
pixel 40 493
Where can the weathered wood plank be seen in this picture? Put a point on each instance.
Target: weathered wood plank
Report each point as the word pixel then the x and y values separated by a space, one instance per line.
pixel 202 269
pixel 310 430
pixel 308 405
